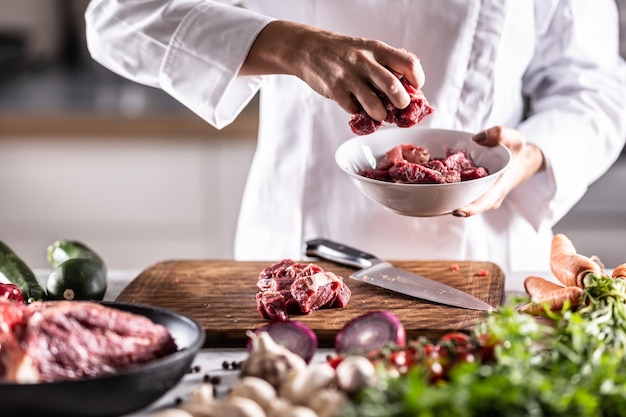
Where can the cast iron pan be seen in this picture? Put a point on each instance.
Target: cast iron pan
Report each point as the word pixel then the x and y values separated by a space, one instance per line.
pixel 113 395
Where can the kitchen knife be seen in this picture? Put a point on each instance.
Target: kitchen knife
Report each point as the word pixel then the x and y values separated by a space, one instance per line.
pixel 377 272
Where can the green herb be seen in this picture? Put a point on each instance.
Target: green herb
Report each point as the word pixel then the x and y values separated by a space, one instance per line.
pixel 566 363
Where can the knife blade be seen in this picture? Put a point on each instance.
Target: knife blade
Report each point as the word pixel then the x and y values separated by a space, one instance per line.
pixel 375 271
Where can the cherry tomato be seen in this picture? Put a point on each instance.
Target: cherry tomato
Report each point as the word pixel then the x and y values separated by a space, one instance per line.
pixel 430 350
pixel 334 361
pixel 457 342
pixel 11 292
pixel 403 359
pixel 457 338
pixel 486 347
pixel 436 370
pixel 466 357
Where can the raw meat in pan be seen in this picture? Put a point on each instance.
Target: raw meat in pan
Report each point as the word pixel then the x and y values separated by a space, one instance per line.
pixel 69 340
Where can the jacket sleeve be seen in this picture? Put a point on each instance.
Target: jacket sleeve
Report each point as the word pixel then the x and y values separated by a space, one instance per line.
pixel 576 88
pixel 191 49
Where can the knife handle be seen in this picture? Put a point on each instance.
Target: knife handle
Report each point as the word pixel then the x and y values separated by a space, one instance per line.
pixel 339 253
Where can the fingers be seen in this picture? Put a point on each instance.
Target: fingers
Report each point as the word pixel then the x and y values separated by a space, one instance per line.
pixel 409 65
pixel 380 68
pixel 509 137
pixel 368 98
pixel 349 103
pixel 491 200
pixel 389 85
pixel 395 63
pixel 350 70
pixel 523 165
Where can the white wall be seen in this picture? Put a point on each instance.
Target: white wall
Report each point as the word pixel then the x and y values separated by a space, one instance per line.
pixel 135 200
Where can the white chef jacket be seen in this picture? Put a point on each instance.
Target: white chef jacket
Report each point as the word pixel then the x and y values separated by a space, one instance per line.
pixel 481 58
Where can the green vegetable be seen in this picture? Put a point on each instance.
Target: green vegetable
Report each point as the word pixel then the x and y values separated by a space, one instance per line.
pixel 17 272
pixel 568 363
pixel 64 249
pixel 77 279
pixel 79 272
pixel 604 303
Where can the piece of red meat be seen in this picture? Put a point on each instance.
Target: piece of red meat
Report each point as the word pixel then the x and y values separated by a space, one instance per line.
pixel 12 315
pixel 473 173
pixel 405 152
pixel 69 340
pixel 315 291
pixel 432 172
pixel 13 319
pixel 362 124
pixel 289 287
pixel 280 275
pixel 458 159
pixel 412 164
pixel 397 155
pixel 271 305
pixel 376 174
pixel 343 296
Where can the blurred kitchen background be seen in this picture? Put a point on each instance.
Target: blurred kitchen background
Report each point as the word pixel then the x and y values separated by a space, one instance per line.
pixel 87 155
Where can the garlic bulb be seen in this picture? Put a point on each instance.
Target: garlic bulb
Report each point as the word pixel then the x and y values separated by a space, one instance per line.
pixel 270 361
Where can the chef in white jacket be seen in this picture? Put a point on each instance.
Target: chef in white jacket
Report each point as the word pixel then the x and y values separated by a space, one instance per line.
pixel 547 70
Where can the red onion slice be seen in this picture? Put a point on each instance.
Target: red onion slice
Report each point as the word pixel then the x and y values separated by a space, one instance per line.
pixel 370 332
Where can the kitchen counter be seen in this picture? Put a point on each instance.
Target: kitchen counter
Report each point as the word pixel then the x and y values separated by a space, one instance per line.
pixel 209 361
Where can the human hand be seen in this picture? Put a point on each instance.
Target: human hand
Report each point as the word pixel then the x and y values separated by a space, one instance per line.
pixel 527 159
pixel 342 68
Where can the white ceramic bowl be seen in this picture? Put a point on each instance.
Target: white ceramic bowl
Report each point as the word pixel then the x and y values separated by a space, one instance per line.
pixel 420 200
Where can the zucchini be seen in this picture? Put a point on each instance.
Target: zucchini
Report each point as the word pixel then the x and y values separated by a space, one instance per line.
pixel 17 272
pixel 64 249
pixel 77 279
pixel 79 272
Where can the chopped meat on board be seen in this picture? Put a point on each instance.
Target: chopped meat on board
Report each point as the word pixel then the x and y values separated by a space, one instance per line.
pixel 272 305
pixel 289 287
pixel 68 340
pixel 313 291
pixel 362 124
pixel 412 164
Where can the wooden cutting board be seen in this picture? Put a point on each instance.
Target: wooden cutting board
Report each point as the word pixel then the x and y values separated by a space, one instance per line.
pixel 220 295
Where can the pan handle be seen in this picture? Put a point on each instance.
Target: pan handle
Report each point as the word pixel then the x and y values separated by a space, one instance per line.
pixel 339 253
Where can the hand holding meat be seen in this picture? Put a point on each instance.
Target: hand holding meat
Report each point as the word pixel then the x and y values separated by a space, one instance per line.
pixel 354 72
pixel 526 161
